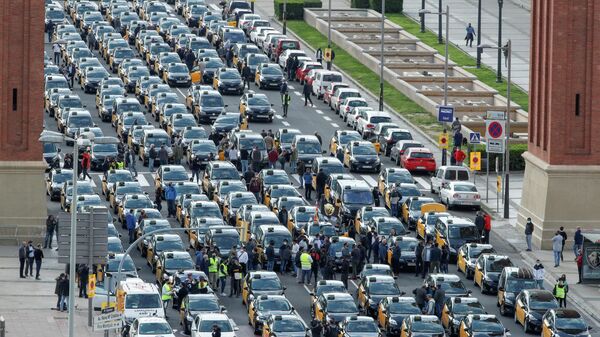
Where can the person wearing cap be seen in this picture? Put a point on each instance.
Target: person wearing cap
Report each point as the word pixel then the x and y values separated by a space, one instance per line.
pixel 202 285
pixel 167 293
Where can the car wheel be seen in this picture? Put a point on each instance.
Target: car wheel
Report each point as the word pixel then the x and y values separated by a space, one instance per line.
pixel 515 318
pixel 503 310
pixel 448 203
pixel 526 327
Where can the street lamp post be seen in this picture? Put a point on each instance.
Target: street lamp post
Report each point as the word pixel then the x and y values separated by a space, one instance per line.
pixel 440 40
pixel 329 34
pixel 381 56
pixel 499 71
pixel 422 17
pixel 507 49
pixel 284 15
pixel 478 33
pixel 447 15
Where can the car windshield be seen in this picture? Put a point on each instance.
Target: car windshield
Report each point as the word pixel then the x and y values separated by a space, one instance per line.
pixel 234 37
pixel 228 120
pixel 326 230
pixel 407 246
pixel 178 68
pixel 368 215
pixel 383 288
pixel 184 121
pixel 277 239
pixel 474 252
pixel 81 190
pixel 464 188
pixel 50 148
pixel 403 308
pixel 209 211
pixel 175 175
pixel 364 150
pixel 230 75
pixel 226 189
pixel 363 326
pixel 158 140
pixel 55 15
pixel 497 265
pixel 304 216
pixel 258 101
pixel 488 325
pixel 213 64
pixel 543 302
pixel 453 287
pixel 270 283
pixel 207 325
pixel 152 228
pixel 357 102
pixel 142 301
pixel 385 228
pixel 332 78
pixel 255 60
pixel 380 119
pixel 308 148
pixel 409 191
pixel 421 155
pixel 467 308
pixel 175 245
pixel 225 173
pixel 274 305
pixel 283 192
pixel 515 285
pixel 331 169
pixel 357 197
pixel 130 107
pixel 431 327
pixel 212 101
pixel 155 328
pixel 179 263
pixel 226 241
pixel 204 148
pixel 250 143
pixel 70 103
pixel 287 137
pixel 272 71
pixel 135 189
pixel 62 177
pixel 194 133
pixel 571 325
pixel 397 136
pixel 237 202
pixel 463 232
pixel 124 53
pixel 399 178
pixel 347 138
pixel 276 179
pixel 113 265
pixel 204 304
pixel 138 203
pixel 288 325
pixel 342 306
pixel 80 121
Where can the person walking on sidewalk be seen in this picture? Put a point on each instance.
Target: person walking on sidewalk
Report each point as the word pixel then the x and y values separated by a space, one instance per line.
pixel 470 35
pixel 538 273
pixel 528 233
pixel 30 258
pixel 38 255
pixel 22 258
pixel 51 223
pixel 557 245
pixel 562 233
pixel 577 241
pixel 285 102
pixel 487 228
pixel 579 261
pixel 560 293
pixel 307 91
pixel 63 291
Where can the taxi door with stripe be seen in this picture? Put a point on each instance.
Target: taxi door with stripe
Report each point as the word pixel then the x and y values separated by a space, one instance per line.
pixel 520 311
pixel 478 274
pixel 461 262
pixel 547 326
pixel 446 316
pixel 381 315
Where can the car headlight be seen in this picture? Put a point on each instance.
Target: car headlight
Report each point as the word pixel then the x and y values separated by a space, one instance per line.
pixel 393 321
pixel 532 318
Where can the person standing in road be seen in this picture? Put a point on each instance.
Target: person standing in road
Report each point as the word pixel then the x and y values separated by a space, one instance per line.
pixel 195 166
pixel 86 162
pixel 344 270
pixel 539 273
pixel 235 272
pixel 577 241
pixel 307 91
pixel 50 30
pixel 285 253
pixel 421 296
pixel 71 73
pixel 246 76
pixel 528 233
pixel 163 155
pixel 445 259
pixel 51 223
pixel 355 257
pixel 306 264
pixel 256 157
pixel 178 152
pixel 22 258
pixel 394 199
pixel 270 255
pixel 419 257
pixel 242 256
pixel 376 196
pixel 213 270
pixel 273 157
pixel 167 294
pixel 131 161
pixel 382 253
pixel 562 233
pixel 480 222
pixel 38 255
pixel 426 259
pixel 579 261
pixel 321 181
pixel 470 35
pixel 130 222
pixel 439 296
pixel 285 102
pixel 557 246
pixel 436 257
pixel 560 293
pixel 307 179
pixel 152 155
pixel 487 228
pixel 429 305
pixel 158 194
pixel 56 51
pixel 244 155
pixel 319 55
pixel 170 195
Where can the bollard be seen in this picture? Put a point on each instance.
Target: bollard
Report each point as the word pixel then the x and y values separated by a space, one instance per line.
pixel 2 327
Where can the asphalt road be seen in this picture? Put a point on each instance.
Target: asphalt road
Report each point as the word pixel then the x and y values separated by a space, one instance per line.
pixel 308 119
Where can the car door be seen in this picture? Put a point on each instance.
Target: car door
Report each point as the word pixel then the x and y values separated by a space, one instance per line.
pixel 381 313
pixel 461 262
pixel 478 275
pixel 362 293
pixel 547 324
pixel 446 313
pixel 520 306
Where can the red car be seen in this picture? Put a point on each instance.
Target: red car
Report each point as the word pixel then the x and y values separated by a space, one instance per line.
pixel 305 68
pixel 285 44
pixel 418 159
pixel 331 89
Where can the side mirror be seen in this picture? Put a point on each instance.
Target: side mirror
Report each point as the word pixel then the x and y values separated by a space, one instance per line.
pixel 226 105
pixel 138 268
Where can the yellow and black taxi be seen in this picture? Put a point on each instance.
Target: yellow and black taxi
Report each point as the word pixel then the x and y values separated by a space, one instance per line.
pixel 160 99
pixel 332 308
pixel 411 210
pixel 234 201
pixel 286 203
pixel 264 306
pixel 198 209
pixel 199 228
pixel 270 177
pixel 324 287
pixel 228 121
pixel 564 322
pixel 530 307
pixel 257 219
pixel 141 87
pixel 512 280
pixel 119 189
pixel 126 120
pixel 169 262
pixel 350 196
pixel 284 137
pixel 314 228
pixel 268 76
pixel 56 180
pixel 112 267
pixel 179 122
pixel 358 326
pixel 176 75
pixel 191 133
pixel 267 234
pixel 392 311
pixel 454 232
pixel 389 176
pixel 150 92
pixel 340 139
pixel 467 256
pixel 450 283
pixel 337 245
pixel 113 176
pixel 407 250
pixel 66 192
pixel 429 215
pixel 375 269
pixel 132 202
pixel 148 226
pixel 167 110
pixel 487 271
pixel 256 107
pixel 361 156
pixel 164 59
pixel 242 215
pixel 159 243
pixel 204 149
pixel 206 69
pixel 216 171
pixel 481 325
pixel 228 81
pixel 194 304
pixel 422 325
pixel 135 134
pixel 299 217
pixel 372 289
pixel 169 174
pixel 329 166
pixel 224 187
pixel 274 192
pixel 387 226
pixel 332 181
pixel 257 283
pixel 182 202
pixel 456 308
pixel 226 238
pixel 365 214
pixel 284 325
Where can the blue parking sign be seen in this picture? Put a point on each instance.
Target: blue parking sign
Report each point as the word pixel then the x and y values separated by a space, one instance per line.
pixel 445 114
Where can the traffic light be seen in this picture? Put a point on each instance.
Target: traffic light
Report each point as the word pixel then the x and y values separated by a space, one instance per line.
pixel 475 161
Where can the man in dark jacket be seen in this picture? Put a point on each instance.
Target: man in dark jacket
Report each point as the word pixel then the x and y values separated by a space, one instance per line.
pixel 246 75
pixel 420 295
pixel 51 223
pixel 439 296
pixel 307 91
pixel 22 258
pixel 321 181
pixel 436 257
pixel 528 233
pixel 84 272
pixel 190 58
pixel 479 222
pixel 418 257
pixel 270 254
pixel 355 254
pixel 283 216
pixel 286 254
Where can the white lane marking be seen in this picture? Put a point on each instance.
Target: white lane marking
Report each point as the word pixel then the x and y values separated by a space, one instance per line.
pixel 306 288
pixel 278 117
pixel 423 183
pixel 327 118
pixel 369 180
pixel 291 87
pixel 335 125
pixel 297 93
pixel 354 284
pixel 296 177
pixel 285 123
pixel 319 112
pixel 181 92
pixel 93 183
pixel 142 180
pixel 154 175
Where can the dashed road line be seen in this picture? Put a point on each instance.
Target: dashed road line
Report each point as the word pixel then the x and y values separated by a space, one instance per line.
pixel 327 118
pixel 297 93
pixel 423 183
pixel 369 180
pixel 306 288
pixel 181 92
pixel 285 123
pixel 335 125
pixel 296 177
pixel 278 117
pixel 319 112
pixel 142 180
pixel 291 87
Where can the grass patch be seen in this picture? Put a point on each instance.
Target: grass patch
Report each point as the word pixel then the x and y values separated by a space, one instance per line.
pixel 369 79
pixel 484 74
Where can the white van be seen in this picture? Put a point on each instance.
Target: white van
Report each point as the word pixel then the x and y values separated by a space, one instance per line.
pixel 446 174
pixel 136 298
pixel 323 79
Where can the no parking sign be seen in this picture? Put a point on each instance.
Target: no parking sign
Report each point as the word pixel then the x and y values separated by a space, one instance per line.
pixel 494 129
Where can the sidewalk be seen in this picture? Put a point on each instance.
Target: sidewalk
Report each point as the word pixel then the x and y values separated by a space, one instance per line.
pixel 515 26
pixel 27 303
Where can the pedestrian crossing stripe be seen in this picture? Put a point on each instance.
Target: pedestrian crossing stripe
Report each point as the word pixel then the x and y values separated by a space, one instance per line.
pixel 423 183
pixel 285 123
pixel 369 180
pixel 297 93
pixel 278 117
pixel 142 180
pixel 296 177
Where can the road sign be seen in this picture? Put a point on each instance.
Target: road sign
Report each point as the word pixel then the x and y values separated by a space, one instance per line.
pixel 496 115
pixel 445 113
pixel 108 321
pixel 475 162
pixel 494 129
pixel 474 137
pixel 495 145
pixel 91 286
pixel 327 55
pixel 443 140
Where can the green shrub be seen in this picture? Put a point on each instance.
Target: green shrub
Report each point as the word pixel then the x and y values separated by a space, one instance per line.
pixel 391 6
pixel 295 8
pixel 517 163
pixel 359 4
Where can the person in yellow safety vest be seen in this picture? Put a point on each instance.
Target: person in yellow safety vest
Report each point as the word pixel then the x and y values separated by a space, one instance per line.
pixel 305 263
pixel 560 292
pixel 223 276
pixel 213 268
pixel 202 286
pixel 120 164
pixel 167 294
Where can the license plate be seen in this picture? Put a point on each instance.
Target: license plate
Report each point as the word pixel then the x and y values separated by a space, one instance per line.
pixel 368 166
pixel 420 167
pixel 182 81
pixel 232 89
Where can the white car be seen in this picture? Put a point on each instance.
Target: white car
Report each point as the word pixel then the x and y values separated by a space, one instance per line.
pixel 339 95
pixel 460 193
pixel 203 325
pixel 269 39
pixel 259 32
pixel 350 103
pixel 369 119
pixel 323 80
pixel 354 115
pixel 150 327
pixel 289 53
